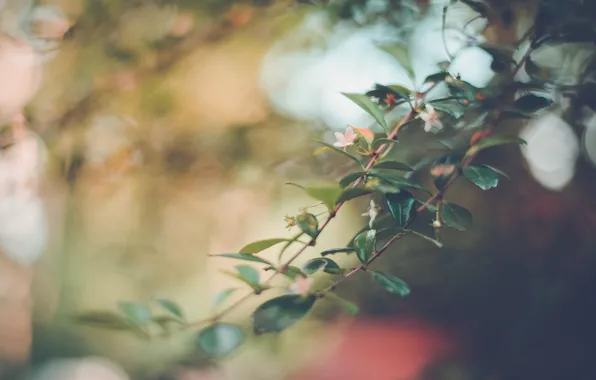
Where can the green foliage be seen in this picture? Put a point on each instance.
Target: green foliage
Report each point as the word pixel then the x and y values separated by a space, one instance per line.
pixel 394 165
pixel 244 257
pixel 309 224
pixel 337 250
pixel 321 263
pixel 495 140
pixel 260 245
pixel 364 245
pixel 136 312
pixel 391 283
pixel 401 206
pixel 456 216
pixel 248 275
pixel 401 54
pixel 371 108
pixel 329 195
pixel 342 152
pixel 223 295
pixel 220 339
pixel 483 176
pixel 279 313
pixel 352 193
pixel 103 319
pixel 349 306
pixel 172 307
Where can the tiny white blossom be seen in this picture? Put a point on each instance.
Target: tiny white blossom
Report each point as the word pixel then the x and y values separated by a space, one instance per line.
pixel 301 285
pixel 345 139
pixel 372 213
pixel 431 119
pixel 436 224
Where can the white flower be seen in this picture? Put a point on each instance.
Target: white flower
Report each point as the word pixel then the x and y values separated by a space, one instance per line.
pixel 431 119
pixel 373 212
pixel 301 285
pixel 345 139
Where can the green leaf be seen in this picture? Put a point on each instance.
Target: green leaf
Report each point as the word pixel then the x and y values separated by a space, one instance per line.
pixel 223 295
pixel 172 307
pixel 450 107
pixel 350 306
pixel 321 263
pixel 455 216
pixel 382 141
pixel 280 313
pixel 402 91
pixel 494 140
pixel 436 77
pixel 483 177
pixel 103 319
pixel 364 245
pixel 309 224
pixel 220 339
pixel 352 177
pixel 248 275
pixel 370 107
pixel 290 272
pixel 165 320
pixel 289 243
pixel 352 193
pixel 391 283
pixel 260 245
pixel 395 179
pixel 394 165
pixel 243 256
pixel 136 312
pixel 427 238
pixel 341 151
pixel 401 54
pixel 337 250
pixel 326 194
pixel 401 206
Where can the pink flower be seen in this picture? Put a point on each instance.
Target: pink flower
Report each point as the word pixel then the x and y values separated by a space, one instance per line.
pixel 431 119
pixel 345 139
pixel 301 285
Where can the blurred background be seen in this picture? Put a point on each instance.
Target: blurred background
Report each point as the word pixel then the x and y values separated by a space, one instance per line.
pixel 141 136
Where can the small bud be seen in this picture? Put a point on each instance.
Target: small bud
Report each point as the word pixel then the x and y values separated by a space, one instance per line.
pixel 437 224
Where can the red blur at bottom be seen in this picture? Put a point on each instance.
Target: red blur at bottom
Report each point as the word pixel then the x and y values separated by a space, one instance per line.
pixel 381 350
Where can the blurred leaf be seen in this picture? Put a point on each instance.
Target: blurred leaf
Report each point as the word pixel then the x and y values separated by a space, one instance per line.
pixel 391 283
pixel 164 320
pixel 243 256
pixel 248 275
pixel 402 91
pixel 494 140
pixel 394 165
pixel 428 238
pixel 326 194
pixel 279 313
pixel 502 57
pixel 477 6
pixel 290 272
pixel 401 54
pixel 341 151
pixel 220 339
pixel 309 224
pixel 401 206
pixel 350 178
pixel 395 179
pixel 349 306
pixel 260 245
pixel 485 178
pixel 321 263
pixel 382 141
pixel 172 307
pixel 223 295
pixel 370 107
pixel 352 193
pixel 450 107
pixel 455 216
pixel 337 250
pixel 103 319
pixel 531 103
pixel 364 245
pixel 136 312
pixel 436 77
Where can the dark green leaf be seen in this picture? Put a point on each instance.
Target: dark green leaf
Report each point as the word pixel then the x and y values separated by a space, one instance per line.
pixel 401 206
pixel 436 77
pixel 364 245
pixel 290 272
pixel 352 193
pixel 136 312
pixel 391 283
pixel 393 178
pixel 103 319
pixel 248 275
pixel 279 313
pixel 455 216
pixel 452 108
pixel 394 165
pixel 309 224
pixel 428 238
pixel 340 151
pixel 223 295
pixel 352 177
pixel 337 250
pixel 220 339
pixel 370 107
pixel 321 263
pixel 243 256
pixel 260 245
pixel 326 194
pixel 172 307
pixel 483 177
pixel 401 54
pixel 401 90
pixel 382 141
pixel 531 103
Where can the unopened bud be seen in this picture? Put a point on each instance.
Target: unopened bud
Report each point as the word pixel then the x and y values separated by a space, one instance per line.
pixel 437 224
